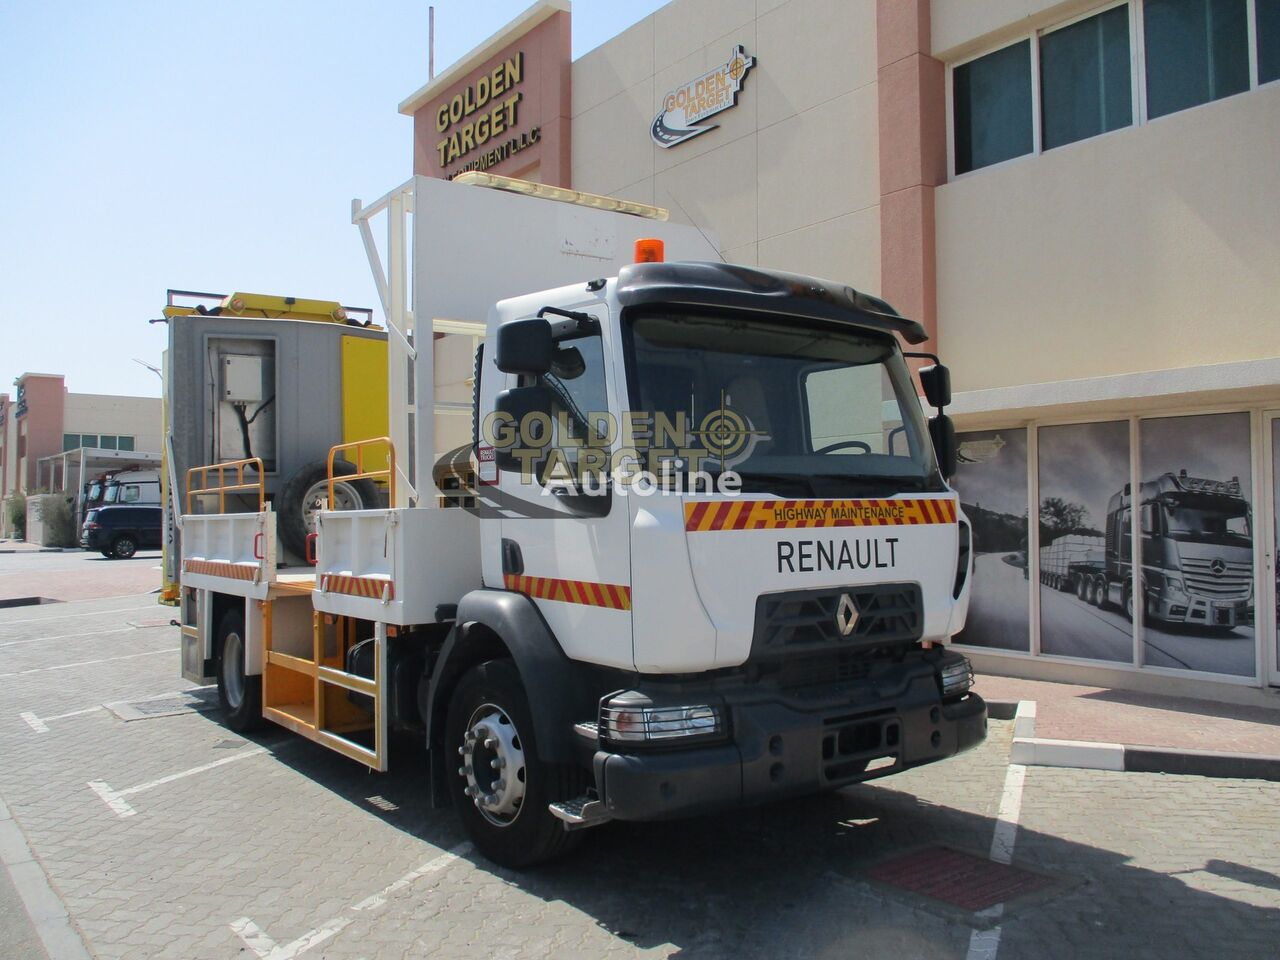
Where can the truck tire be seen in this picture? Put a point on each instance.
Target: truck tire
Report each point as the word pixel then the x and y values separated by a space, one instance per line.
pixel 240 696
pixel 501 789
pixel 123 547
pixel 1082 589
pixel 300 495
pixel 1099 598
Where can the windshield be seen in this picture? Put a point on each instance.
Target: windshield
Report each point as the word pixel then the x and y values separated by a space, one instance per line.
pixel 112 494
pixel 792 408
pixel 1225 521
pixel 95 491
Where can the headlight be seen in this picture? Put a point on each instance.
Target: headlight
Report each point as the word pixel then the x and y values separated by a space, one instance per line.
pixel 631 717
pixel 1174 586
pixel 956 676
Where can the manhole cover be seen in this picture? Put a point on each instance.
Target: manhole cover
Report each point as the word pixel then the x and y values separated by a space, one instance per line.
pixel 166 705
pixel 958 879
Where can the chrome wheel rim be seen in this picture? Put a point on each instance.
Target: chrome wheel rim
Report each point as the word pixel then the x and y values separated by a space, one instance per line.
pixel 345 497
pixel 493 764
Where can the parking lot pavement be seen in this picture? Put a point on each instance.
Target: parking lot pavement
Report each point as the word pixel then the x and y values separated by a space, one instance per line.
pixel 77 575
pixel 174 837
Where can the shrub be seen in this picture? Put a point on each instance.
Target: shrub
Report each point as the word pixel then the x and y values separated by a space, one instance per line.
pixel 59 522
pixel 16 506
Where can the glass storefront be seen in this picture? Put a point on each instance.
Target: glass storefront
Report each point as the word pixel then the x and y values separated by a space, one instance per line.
pixel 1144 552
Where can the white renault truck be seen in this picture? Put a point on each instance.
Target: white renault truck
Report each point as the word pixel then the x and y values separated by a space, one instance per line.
pixel 697 552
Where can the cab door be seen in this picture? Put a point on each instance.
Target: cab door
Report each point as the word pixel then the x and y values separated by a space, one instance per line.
pixel 568 551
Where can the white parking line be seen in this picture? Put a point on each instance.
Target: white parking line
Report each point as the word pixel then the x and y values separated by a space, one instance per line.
pixel 91 613
pixel 68 636
pixel 985 944
pixel 88 663
pixel 40 724
pixel 257 940
pixel 115 798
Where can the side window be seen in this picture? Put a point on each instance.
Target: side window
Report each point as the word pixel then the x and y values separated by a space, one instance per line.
pixel 131 493
pixel 1124 519
pixel 576 384
pixel 1150 520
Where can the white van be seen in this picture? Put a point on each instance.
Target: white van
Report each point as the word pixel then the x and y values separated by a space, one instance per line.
pixel 141 487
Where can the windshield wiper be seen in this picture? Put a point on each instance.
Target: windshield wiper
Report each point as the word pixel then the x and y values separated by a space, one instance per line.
pixel 760 482
pixel 895 482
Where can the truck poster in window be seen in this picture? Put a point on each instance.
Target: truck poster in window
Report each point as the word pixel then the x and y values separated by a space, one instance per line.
pixel 1199 596
pixel 992 480
pixel 1086 553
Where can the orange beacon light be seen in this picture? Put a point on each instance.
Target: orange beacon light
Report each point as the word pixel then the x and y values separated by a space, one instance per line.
pixel 649 250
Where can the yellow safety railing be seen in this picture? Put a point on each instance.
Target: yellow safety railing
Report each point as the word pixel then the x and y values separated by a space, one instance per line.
pixel 221 487
pixel 387 473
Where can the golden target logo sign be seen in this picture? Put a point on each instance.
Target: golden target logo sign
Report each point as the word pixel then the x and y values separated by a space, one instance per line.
pixel 714 92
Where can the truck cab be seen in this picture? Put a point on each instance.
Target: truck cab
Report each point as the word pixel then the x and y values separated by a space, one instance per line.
pixel 714 486
pixel 1197 550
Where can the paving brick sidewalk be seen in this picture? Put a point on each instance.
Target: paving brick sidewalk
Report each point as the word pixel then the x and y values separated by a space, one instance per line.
pixel 1070 712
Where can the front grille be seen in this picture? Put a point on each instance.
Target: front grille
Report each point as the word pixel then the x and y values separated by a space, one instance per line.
pixel 1232 583
pixel 801 621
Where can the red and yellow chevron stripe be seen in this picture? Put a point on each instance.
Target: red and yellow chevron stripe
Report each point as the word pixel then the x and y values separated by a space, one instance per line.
pixel 711 515
pixel 612 596
pixel 371 587
pixel 214 568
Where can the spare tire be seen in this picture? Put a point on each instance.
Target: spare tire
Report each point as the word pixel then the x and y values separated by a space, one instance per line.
pixel 302 494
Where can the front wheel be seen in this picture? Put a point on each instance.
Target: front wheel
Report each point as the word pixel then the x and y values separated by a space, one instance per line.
pixel 500 788
pixel 124 547
pixel 240 695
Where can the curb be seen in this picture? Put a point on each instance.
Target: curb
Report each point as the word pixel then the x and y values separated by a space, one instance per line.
pixel 1030 750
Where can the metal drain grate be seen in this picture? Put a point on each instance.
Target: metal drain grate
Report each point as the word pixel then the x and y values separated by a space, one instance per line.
pixel 958 879
pixel 166 705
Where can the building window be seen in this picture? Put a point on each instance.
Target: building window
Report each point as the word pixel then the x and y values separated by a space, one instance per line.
pixel 107 442
pixel 1084 78
pixel 992 108
pixel 124 443
pixel 88 440
pixel 1196 51
pixel 70 441
pixel 1268 31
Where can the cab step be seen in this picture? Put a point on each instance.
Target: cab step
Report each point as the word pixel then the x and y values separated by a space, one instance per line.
pixel 580 813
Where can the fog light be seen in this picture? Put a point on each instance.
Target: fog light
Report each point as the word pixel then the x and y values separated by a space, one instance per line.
pixel 956 676
pixel 631 717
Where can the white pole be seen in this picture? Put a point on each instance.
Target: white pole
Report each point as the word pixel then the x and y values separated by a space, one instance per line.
pixel 431 43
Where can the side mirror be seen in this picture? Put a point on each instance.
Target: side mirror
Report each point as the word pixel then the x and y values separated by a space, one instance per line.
pixel 936 381
pixel 517 404
pixel 525 346
pixel 942 431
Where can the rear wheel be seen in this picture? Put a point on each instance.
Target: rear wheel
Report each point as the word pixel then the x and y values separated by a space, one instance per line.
pixel 240 695
pixel 124 546
pixel 1082 588
pixel 501 789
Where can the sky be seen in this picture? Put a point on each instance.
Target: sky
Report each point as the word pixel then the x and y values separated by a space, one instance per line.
pixel 198 146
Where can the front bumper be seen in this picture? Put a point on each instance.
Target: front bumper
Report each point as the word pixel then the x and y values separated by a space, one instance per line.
pixel 780 750
pixel 1195 610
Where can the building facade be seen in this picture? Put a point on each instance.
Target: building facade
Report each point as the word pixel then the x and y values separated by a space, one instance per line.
pixel 42 419
pixel 1080 202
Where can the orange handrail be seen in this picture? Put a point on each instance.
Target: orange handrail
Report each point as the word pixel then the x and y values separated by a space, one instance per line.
pixel 359 446
pixel 222 488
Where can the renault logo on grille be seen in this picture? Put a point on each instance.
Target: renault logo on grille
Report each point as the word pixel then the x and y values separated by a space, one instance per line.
pixel 1218 566
pixel 846 615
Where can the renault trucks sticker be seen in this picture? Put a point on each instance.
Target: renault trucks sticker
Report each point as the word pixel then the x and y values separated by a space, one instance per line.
pixel 710 515
pixel 713 92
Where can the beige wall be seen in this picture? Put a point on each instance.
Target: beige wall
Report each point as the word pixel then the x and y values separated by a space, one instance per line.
pixel 127 416
pixel 1147 248
pixel 791 178
pixel 962 28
